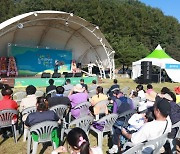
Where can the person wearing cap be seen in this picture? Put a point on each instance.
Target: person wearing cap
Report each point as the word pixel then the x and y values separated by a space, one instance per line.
pixel 77 96
pixel 154 129
pixel 114 87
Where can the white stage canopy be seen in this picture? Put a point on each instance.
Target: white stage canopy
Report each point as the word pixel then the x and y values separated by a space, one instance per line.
pixel 59 30
pixel 159 58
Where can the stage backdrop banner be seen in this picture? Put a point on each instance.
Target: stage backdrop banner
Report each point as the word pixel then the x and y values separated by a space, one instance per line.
pixel 35 60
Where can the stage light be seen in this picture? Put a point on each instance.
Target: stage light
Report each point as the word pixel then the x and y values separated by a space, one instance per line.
pixel 20 25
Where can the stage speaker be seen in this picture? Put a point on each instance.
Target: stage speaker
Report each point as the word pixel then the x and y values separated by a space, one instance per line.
pixel 45 75
pixel 56 75
pixel 146 71
pixel 69 75
pixel 155 78
pixel 78 75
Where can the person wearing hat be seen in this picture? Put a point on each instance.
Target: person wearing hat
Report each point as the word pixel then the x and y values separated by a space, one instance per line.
pixel 154 129
pixel 77 96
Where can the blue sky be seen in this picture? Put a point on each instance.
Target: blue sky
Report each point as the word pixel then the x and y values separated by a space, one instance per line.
pixel 169 7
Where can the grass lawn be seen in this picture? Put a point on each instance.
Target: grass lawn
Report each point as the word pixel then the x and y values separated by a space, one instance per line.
pixel 9 147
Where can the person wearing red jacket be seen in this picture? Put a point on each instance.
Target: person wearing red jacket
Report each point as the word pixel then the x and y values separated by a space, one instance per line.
pixel 7 103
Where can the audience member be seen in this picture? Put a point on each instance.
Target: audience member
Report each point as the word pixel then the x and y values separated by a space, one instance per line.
pixel 58 98
pixel 136 121
pixel 162 123
pixel 83 84
pixel 68 86
pixel 141 92
pixel 150 93
pixel 51 86
pixel 135 99
pixel 77 96
pixel 121 103
pixel 7 102
pixel 114 87
pixel 95 109
pixel 42 113
pixel 30 99
pixel 79 143
pixel 93 86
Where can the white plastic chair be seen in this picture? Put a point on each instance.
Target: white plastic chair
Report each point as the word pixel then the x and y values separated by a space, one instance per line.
pixel 39 93
pixel 83 108
pixel 26 112
pixel 125 91
pixel 125 117
pixel 6 120
pixel 155 145
pixel 109 122
pixel 59 110
pixel 172 141
pixel 44 132
pixel 136 149
pixel 52 93
pixel 18 96
pixel 83 122
pixel 101 105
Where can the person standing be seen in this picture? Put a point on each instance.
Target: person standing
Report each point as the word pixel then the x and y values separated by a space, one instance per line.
pixel 56 66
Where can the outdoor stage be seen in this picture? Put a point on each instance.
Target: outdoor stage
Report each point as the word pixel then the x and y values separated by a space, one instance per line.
pixel 43 82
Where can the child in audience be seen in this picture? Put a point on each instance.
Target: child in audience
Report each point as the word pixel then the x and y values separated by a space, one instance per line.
pixel 79 143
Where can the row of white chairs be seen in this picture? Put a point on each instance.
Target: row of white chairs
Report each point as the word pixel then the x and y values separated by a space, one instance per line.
pixel 84 122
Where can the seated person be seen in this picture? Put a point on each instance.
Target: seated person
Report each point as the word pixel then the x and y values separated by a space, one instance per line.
pixel 58 98
pixel 96 99
pixel 136 121
pixel 93 86
pixel 42 113
pixel 7 103
pixel 68 86
pixel 77 95
pixel 79 143
pixel 141 92
pixel 51 86
pixel 83 84
pixel 114 87
pixel 150 93
pixel 121 103
pixel 30 100
pixel 154 129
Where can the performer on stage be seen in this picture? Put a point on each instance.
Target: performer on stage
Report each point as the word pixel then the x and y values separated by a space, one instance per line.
pixel 56 66
pixel 73 66
pixel 90 67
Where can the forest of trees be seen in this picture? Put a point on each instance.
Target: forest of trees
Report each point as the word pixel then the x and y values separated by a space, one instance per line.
pixel 132 28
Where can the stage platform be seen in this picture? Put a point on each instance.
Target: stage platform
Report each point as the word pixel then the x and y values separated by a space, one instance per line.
pixel 43 82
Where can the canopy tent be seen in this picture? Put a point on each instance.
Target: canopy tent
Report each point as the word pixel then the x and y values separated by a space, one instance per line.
pixel 159 58
pixel 59 30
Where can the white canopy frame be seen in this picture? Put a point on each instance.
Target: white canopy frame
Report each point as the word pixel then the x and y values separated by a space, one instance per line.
pixel 62 21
